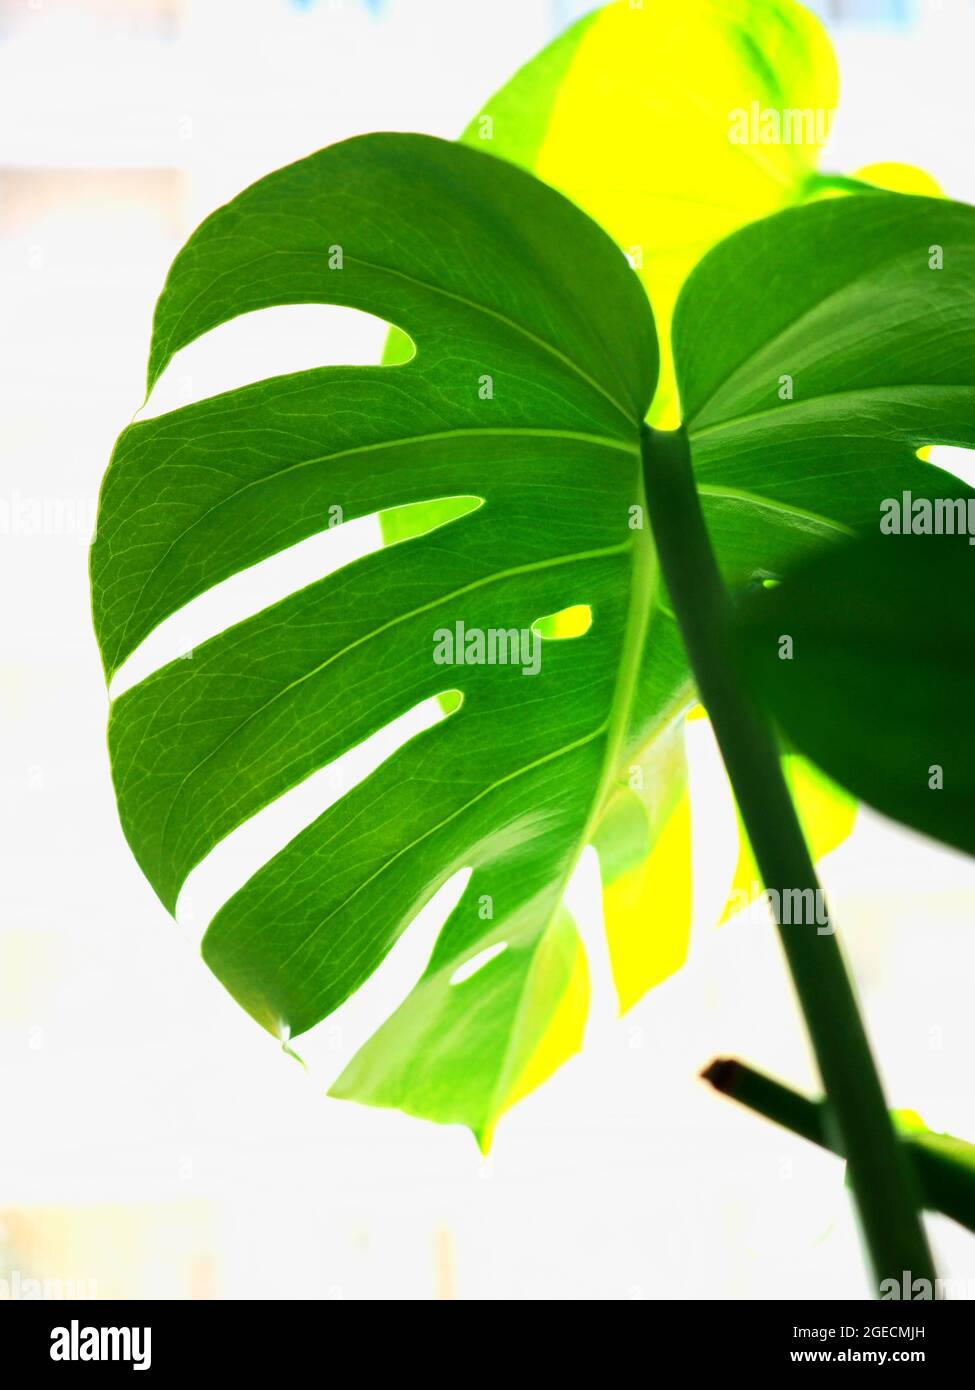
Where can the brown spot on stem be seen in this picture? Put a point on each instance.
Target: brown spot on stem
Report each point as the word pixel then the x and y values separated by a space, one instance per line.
pixel 722 1074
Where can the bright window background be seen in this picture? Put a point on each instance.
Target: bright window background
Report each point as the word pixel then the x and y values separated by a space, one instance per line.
pixel 156 1141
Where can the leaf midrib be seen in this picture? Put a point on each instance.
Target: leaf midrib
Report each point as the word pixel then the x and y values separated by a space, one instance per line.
pixel 773 504
pixel 809 402
pixel 643 596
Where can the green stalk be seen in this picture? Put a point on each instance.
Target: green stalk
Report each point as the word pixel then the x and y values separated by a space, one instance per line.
pixel 946 1183
pixel 882 1180
pixel 770 1098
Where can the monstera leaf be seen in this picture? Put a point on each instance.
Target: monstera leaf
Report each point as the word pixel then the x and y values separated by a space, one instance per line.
pixel 535 362
pixel 879 683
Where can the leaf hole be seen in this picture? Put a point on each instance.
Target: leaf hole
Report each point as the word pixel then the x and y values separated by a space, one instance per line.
pixel 957 461
pixel 253 844
pixel 564 625
pixel 477 963
pixel 277 341
pixel 243 595
pixel 420 518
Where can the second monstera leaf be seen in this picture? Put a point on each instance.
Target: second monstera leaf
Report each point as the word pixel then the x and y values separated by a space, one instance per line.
pixel 879 682
pixel 535 362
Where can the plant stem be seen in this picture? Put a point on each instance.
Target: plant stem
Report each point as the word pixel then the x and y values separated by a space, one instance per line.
pixel 881 1178
pixel 946 1182
pixel 770 1098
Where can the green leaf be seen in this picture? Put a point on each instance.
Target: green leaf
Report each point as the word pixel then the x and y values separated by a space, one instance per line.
pixel 498 278
pixel 857 337
pixel 873 351
pixel 528 1005
pixel 881 684
pixel 946 1167
pixel 840 354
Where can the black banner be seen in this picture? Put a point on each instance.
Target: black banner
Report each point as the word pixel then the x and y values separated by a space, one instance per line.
pixel 281 1339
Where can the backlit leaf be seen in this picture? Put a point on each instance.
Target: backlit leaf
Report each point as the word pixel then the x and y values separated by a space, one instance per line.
pixel 500 280
pixel 882 682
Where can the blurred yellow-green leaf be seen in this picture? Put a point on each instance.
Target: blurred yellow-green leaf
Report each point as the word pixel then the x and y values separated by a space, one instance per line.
pixel 826 814
pixel 659 121
pixel 644 848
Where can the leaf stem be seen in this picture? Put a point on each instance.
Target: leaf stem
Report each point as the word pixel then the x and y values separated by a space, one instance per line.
pixel 770 1098
pixel 947 1184
pixel 882 1180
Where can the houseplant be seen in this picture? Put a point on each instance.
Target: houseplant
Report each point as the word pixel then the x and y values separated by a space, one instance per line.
pixel 534 362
